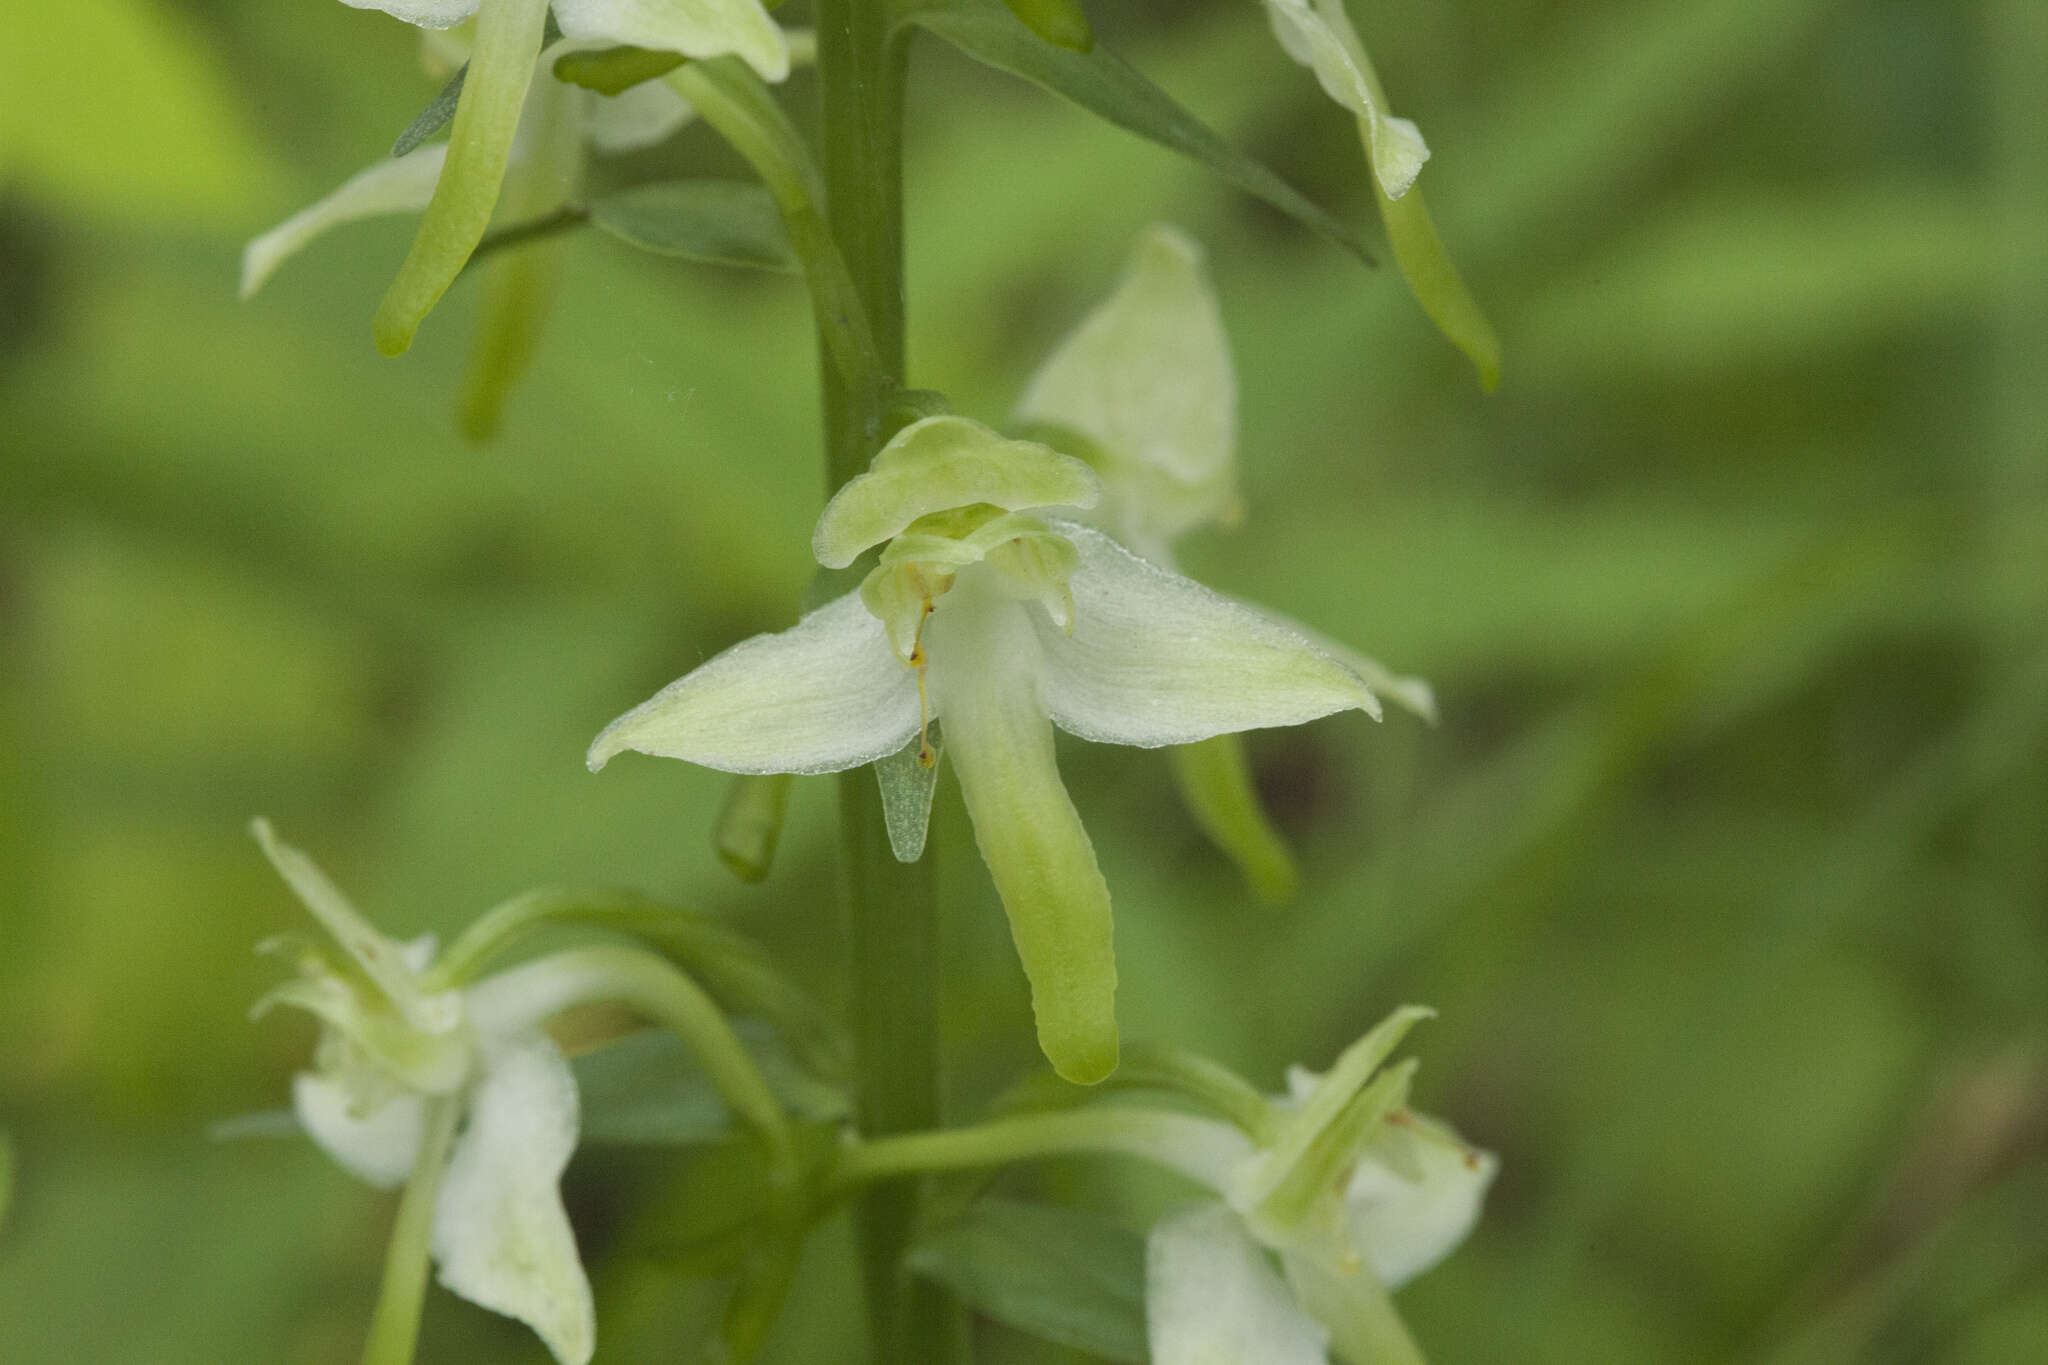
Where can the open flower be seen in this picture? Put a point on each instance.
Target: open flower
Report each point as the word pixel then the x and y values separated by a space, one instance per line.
pixel 990 614
pixel 1354 1191
pixel 1144 390
pixel 1319 35
pixel 508 42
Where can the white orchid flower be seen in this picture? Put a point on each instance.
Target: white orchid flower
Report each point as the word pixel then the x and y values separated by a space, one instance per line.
pixel 1355 1192
pixel 992 614
pixel 541 170
pixel 401 1056
pixel 502 66
pixel 1319 35
pixel 1144 389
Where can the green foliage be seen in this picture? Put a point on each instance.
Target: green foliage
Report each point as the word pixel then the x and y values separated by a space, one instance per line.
pixel 1063 1274
pixel 714 222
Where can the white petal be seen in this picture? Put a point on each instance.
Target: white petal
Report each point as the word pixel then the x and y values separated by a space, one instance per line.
pixel 1211 1298
pixel 385 962
pixel 1414 695
pixel 1147 376
pixel 695 28
pixel 639 117
pixel 379 1147
pixel 826 694
pixel 1159 659
pixel 500 1234
pixel 401 184
pixel 425 13
pixel 1405 1221
pixel 1322 38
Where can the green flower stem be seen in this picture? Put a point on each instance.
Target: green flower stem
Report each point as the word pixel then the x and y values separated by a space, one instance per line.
pixel 1210 1084
pixel 728 95
pixel 892 907
pixel 1197 1148
pixel 395 1328
pixel 1365 1327
pixel 733 968
pixel 537 990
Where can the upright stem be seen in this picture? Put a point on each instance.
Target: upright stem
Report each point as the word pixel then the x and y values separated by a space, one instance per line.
pixel 893 907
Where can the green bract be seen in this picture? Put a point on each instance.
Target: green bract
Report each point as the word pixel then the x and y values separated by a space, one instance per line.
pixel 990 613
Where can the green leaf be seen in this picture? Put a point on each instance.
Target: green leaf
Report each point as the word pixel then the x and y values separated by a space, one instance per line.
pixel 1058 1273
pixel 648 1090
pixel 718 222
pixel 1107 87
pixel 435 116
pixel 1060 22
pixel 616 69
pixel 6 1175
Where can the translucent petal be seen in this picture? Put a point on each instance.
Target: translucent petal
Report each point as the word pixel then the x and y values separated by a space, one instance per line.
pixel 1414 695
pixel 826 694
pixel 641 116
pixel 394 185
pixel 939 464
pixel 695 28
pixel 1147 377
pixel 1159 659
pixel 1320 37
pixel 1405 1221
pixel 1212 1299
pixel 387 963
pixel 424 13
pixel 907 785
pixel 379 1147
pixel 508 38
pixel 500 1233
pixel 984 685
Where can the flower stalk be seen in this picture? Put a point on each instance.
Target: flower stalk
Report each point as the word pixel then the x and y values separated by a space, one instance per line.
pixel 892 907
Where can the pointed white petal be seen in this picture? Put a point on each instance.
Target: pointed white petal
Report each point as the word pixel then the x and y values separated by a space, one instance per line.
pixel 695 28
pixel 639 117
pixel 384 961
pixel 1414 1197
pixel 1211 1298
pixel 401 184
pixel 1159 659
pixel 500 1234
pixel 984 679
pixel 1147 377
pixel 1320 36
pixel 1413 695
pixel 424 13
pixel 379 1147
pixel 826 694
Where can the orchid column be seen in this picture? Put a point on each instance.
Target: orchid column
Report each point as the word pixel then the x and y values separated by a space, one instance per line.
pixel 892 906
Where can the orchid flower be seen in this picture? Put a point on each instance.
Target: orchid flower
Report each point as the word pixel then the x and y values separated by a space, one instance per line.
pixel 508 47
pixel 457 1092
pixel 1144 389
pixel 1319 35
pixel 993 614
pixel 540 173
pixel 1354 1191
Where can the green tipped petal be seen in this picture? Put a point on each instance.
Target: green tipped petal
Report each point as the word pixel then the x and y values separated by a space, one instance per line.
pixel 508 38
pixel 939 464
pixel 1437 285
pixel 1030 835
pixel 1319 35
pixel 396 185
pixel 1216 785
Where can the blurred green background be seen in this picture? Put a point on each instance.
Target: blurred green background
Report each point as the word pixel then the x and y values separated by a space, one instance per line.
pixel 1727 867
